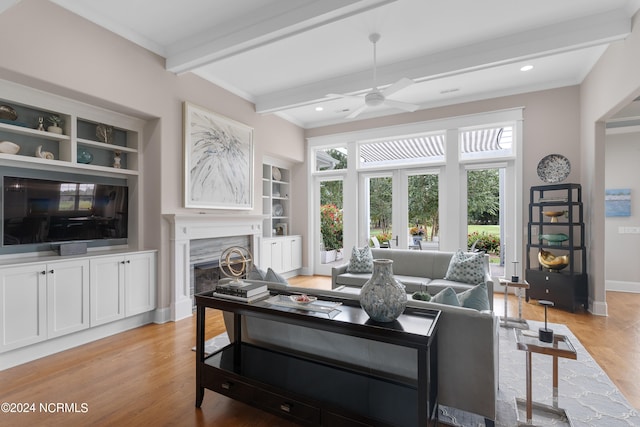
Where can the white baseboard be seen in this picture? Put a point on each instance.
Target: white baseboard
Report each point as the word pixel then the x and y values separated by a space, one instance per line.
pixel 598 308
pixel 620 286
pixel 162 315
pixel 46 348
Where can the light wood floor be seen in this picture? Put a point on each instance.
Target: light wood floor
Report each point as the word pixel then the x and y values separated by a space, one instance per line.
pixel 147 376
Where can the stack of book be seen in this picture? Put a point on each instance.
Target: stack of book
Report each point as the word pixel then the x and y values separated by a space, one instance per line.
pixel 247 292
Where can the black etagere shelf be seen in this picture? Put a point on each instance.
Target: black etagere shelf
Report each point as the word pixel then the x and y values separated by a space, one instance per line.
pixel 556 228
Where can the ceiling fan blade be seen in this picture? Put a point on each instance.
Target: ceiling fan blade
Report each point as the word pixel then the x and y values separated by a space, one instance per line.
pixel 340 95
pixel 401 105
pixel 397 86
pixel 355 113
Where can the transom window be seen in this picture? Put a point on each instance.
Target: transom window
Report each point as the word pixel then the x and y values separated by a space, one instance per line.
pixel 406 150
pixel 486 142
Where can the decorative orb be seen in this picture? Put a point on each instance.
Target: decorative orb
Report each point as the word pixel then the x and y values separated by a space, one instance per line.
pixel 234 263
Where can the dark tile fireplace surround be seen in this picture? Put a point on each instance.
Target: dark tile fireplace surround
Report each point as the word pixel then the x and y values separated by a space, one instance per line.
pixel 204 256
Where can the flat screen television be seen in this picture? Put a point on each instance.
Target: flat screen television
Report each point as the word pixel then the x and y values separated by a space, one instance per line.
pixel 38 213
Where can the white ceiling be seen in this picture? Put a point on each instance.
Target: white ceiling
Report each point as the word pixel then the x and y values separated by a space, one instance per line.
pixel 286 56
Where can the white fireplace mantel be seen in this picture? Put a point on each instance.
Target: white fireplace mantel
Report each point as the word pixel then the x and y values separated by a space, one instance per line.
pixel 187 227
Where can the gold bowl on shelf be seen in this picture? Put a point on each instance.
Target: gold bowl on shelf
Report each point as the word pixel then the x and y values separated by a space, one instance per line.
pixel 554 214
pixel 552 262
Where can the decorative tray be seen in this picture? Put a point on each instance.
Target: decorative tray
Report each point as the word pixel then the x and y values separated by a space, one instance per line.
pixel 317 305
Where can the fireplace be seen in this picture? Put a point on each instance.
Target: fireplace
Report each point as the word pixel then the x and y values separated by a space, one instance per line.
pixel 203 233
pixel 204 259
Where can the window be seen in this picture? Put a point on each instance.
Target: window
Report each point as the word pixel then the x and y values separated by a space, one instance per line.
pixel 331 159
pixel 486 142
pixel 76 197
pixel 407 150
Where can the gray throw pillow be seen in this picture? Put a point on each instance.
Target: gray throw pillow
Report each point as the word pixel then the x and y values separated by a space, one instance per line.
pixel 475 297
pixel 272 276
pixel 256 274
pixel 361 260
pixel 446 296
pixel 466 267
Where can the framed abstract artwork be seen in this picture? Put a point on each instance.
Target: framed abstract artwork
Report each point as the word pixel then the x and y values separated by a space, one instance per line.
pixel 617 202
pixel 218 155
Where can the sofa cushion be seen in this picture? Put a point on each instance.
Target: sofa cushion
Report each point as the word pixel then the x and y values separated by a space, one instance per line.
pixel 354 279
pixel 475 297
pixel 435 286
pixel 361 260
pixel 466 267
pixel 446 296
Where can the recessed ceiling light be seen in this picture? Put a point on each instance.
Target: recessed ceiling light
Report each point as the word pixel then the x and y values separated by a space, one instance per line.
pixel 319 108
pixel 442 92
pixel 526 68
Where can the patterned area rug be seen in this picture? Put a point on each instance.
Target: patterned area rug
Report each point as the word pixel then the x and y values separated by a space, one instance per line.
pixel 585 392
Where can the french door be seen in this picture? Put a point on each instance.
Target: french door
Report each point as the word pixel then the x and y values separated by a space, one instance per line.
pixel 329 223
pixel 396 201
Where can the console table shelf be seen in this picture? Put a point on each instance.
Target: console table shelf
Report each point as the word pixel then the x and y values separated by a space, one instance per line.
pixel 311 390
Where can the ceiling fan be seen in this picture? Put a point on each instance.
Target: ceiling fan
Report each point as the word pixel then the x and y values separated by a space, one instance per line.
pixel 375 96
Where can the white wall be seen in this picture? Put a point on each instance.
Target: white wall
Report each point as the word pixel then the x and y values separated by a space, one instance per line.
pixel 622 158
pixel 51 49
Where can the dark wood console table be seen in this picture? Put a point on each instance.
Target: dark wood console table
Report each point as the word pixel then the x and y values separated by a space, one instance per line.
pixel 314 391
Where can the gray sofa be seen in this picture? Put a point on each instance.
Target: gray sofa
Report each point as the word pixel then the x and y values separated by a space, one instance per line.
pixel 467 350
pixel 414 269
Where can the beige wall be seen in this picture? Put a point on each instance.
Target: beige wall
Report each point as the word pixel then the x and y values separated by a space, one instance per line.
pixel 46 47
pixel 621 171
pixel 611 84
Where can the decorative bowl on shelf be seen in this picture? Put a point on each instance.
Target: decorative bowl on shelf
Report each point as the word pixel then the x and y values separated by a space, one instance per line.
pixel 8 147
pixel 84 157
pixel 276 174
pixel 554 239
pixel 8 113
pixel 552 262
pixel 554 214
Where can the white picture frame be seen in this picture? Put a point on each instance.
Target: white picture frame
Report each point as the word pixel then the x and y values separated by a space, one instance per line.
pixel 218 154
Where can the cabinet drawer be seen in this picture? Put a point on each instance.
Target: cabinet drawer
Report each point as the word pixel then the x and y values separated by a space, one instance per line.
pixel 287 407
pixel 229 386
pixel 564 290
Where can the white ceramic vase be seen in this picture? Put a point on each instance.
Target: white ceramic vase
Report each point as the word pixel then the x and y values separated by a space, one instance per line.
pixel 383 298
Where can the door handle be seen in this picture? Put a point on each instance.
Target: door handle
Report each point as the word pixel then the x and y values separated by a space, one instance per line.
pixel 396 239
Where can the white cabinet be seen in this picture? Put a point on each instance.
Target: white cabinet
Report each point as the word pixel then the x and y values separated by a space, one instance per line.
pixel 139 283
pixel 122 286
pixel 272 255
pixel 43 300
pixel 107 289
pixel 282 254
pixel 67 297
pixel 292 253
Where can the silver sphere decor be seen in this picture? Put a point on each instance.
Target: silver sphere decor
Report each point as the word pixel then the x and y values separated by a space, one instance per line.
pixel 234 263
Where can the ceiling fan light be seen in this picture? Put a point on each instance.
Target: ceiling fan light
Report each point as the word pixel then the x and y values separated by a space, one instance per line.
pixel 374 98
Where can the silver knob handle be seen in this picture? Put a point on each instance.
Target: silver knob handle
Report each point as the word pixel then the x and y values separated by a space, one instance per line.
pixel 285 407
